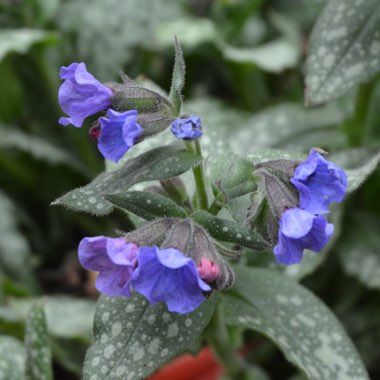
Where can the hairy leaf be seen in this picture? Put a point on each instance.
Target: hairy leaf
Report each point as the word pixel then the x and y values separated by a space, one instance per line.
pixel 133 338
pixel 38 354
pixel 229 231
pixel 178 79
pixel 304 329
pixel 147 205
pixel 160 163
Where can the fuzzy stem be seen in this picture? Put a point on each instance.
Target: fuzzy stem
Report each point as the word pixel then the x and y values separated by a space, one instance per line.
pixel 199 177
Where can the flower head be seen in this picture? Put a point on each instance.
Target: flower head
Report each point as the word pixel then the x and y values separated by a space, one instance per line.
pixel 187 127
pixel 166 275
pixel 319 183
pixel 114 259
pixel 299 230
pixel 118 133
pixel 208 270
pixel 81 94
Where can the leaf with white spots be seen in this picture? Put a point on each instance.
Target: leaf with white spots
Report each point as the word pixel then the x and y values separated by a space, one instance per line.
pixel 290 125
pixel 67 317
pixel 38 354
pixel 358 164
pixel 12 359
pixel 147 205
pixel 133 338
pixel 344 48
pixel 178 79
pixel 159 163
pixel 304 329
pixel 359 251
pixel 230 231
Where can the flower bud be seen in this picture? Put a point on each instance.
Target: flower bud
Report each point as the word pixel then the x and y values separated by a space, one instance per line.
pixel 191 239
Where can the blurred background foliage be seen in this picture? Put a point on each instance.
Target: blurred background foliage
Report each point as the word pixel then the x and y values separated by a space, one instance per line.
pixel 245 77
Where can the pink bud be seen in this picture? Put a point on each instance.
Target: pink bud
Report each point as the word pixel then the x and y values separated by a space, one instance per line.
pixel 94 132
pixel 208 270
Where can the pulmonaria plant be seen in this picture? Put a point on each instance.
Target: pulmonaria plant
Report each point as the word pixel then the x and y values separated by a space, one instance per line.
pixel 180 261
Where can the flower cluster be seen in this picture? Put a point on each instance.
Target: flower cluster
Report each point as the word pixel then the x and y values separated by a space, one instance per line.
pixel 82 95
pixel 161 275
pixel 319 183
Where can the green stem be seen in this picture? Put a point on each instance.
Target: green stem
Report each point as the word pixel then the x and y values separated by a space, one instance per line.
pixel 356 125
pixel 218 339
pixel 199 177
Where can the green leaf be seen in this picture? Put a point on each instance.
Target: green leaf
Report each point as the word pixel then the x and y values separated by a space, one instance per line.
pixel 290 125
pixel 358 163
pixel 133 338
pixel 12 139
pixel 344 48
pixel 359 251
pixel 20 40
pixel 102 42
pixel 303 328
pixel 67 317
pixel 229 231
pixel 192 32
pixel 159 163
pixel 274 56
pixel 38 354
pixel 178 78
pixel 232 175
pixel 15 259
pixel 146 205
pixel 12 359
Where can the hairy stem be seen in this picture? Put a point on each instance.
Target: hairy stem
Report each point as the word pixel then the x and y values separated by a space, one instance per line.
pixel 199 177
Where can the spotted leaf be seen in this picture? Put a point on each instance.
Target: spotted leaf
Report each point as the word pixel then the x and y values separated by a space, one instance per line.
pixel 344 48
pixel 133 339
pixel 303 328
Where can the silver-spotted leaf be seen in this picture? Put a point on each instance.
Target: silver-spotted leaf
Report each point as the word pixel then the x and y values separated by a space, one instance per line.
pixel 344 48
pixel 133 339
pixel 303 328
pixel 159 163
pixel 147 205
pixel 38 354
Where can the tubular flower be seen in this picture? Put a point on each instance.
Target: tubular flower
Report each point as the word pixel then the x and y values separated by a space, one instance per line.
pixel 114 259
pixel 166 275
pixel 118 132
pixel 319 183
pixel 187 127
pixel 300 230
pixel 81 94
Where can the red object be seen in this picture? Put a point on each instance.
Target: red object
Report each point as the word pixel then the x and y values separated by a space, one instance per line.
pixel 187 367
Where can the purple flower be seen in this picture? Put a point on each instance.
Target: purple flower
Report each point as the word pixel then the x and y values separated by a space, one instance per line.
pixel 187 127
pixel 81 94
pixel 166 275
pixel 118 133
pixel 319 183
pixel 299 230
pixel 114 259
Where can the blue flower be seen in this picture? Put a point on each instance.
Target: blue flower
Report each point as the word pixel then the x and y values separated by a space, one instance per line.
pixel 114 259
pixel 299 230
pixel 118 133
pixel 81 94
pixel 166 275
pixel 187 127
pixel 319 183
